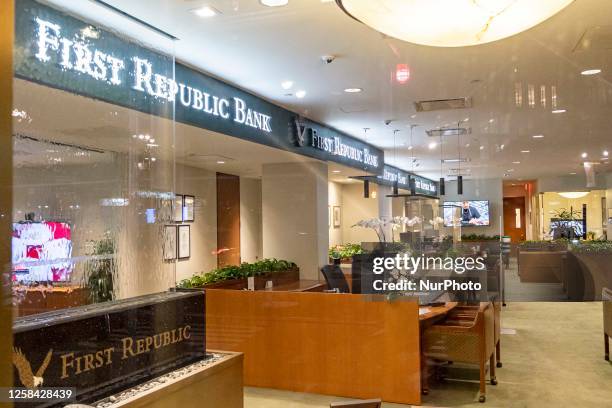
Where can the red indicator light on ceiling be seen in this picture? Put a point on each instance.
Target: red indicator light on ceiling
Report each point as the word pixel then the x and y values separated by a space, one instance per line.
pixel 402 73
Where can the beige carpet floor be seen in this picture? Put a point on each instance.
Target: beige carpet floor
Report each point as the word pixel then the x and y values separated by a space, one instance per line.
pixel 552 356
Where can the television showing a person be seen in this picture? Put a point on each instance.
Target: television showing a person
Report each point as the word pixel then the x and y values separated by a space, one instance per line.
pixel 469 214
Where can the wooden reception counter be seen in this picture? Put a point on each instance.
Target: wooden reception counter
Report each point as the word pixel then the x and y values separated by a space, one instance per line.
pixel 336 344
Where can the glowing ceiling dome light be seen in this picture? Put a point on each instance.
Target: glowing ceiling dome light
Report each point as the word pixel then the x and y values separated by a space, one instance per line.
pixel 451 23
pixel 573 194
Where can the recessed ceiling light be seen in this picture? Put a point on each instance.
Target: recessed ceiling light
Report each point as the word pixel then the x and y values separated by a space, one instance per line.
pixel 300 94
pixel 220 162
pixel 409 147
pixel 432 145
pixel 205 11
pixel 559 111
pixel 537 136
pixel 274 3
pixel 481 147
pixel 584 155
pixel 572 174
pixel 353 90
pixel 605 153
pixel 516 162
pixel 286 84
pixel 510 170
pixel 491 120
pixel 525 151
pixel 502 146
pixel 335 171
pixel 591 72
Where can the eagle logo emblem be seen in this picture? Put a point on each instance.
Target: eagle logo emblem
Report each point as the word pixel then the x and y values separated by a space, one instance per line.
pixel 28 379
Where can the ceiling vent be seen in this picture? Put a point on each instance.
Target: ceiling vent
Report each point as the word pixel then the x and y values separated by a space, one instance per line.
pixel 448 132
pixel 598 38
pixel 443 104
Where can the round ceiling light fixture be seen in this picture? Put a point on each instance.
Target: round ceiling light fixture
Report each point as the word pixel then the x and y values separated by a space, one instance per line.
pixel 573 194
pixel 451 23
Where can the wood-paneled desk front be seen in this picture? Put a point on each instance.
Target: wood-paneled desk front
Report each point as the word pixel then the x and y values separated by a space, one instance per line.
pixel 336 344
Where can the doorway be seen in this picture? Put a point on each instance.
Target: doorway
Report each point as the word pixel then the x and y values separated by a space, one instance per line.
pixel 228 220
pixel 514 218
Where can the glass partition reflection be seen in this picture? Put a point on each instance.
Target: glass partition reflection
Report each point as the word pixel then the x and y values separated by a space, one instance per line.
pixel 93 181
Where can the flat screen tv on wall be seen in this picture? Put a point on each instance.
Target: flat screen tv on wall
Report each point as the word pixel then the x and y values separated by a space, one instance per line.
pixel 41 252
pixel 468 213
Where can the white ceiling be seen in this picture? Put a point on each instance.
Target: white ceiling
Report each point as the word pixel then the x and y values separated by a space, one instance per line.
pixel 257 47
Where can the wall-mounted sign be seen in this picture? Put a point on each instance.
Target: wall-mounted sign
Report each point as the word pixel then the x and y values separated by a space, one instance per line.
pixel 58 50
pixel 102 349
pixel 392 174
pixel 425 186
pixel 345 148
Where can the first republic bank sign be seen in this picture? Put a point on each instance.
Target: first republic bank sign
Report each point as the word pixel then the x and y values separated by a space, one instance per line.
pixel 64 52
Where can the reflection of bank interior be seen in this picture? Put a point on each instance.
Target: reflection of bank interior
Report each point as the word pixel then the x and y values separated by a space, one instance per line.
pixel 108 171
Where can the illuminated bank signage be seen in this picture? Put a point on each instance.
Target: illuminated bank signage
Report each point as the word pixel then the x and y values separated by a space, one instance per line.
pixel 423 186
pixel 76 54
pixel 58 50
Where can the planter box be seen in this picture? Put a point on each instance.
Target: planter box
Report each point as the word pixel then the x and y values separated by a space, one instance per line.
pixel 277 278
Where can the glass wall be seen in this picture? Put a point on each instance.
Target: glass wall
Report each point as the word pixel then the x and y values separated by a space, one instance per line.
pixel 93 180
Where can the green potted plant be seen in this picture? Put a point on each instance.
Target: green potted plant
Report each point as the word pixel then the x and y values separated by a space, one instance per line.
pixel 99 270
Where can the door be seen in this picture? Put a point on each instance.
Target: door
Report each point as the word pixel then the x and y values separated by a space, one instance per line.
pixel 514 218
pixel 228 220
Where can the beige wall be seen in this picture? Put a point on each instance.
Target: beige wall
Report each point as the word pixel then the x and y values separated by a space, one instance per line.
pixel 294 214
pixel 335 200
pixel 6 167
pixel 203 185
pixel 251 248
pixel 356 208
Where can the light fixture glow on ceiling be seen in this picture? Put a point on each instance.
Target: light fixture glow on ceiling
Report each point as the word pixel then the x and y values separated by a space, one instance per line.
pixel 584 155
pixel 300 94
pixel 205 11
pixel 559 111
pixel 525 151
pixel 353 90
pixel 274 3
pixel 286 84
pixel 573 194
pixel 220 162
pixel 335 171
pixel 452 23
pixel 432 145
pixel 516 162
pixel 537 136
pixel 591 72
pixel 605 153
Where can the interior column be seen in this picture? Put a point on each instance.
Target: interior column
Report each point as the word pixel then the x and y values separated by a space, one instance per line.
pixel 6 198
pixel 294 214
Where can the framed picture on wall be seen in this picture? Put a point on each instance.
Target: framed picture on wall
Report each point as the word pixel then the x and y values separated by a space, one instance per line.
pixel 169 243
pixel 177 208
pixel 337 217
pixel 184 241
pixel 188 208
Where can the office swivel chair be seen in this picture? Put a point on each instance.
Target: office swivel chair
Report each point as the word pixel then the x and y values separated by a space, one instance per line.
pixel 371 403
pixel 335 278
pixel 607 316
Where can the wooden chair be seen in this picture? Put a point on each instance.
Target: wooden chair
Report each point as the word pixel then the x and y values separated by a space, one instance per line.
pixel 606 296
pixel 466 336
pixel 371 403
